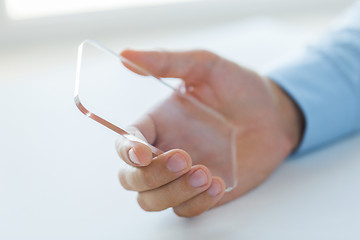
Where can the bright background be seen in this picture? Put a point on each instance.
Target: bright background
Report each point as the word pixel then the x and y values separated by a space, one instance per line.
pixel 58 169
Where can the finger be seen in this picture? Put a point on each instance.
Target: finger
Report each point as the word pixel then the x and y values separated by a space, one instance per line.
pixel 195 181
pixel 163 169
pixel 133 153
pixel 186 65
pixel 135 132
pixel 203 201
pixel 145 127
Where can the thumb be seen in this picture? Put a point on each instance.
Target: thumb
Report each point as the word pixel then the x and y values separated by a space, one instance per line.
pixel 187 65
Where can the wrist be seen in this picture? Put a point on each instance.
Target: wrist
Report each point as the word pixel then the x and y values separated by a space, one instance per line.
pixel 290 115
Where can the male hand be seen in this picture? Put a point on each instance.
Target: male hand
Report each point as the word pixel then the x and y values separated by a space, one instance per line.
pixel 271 128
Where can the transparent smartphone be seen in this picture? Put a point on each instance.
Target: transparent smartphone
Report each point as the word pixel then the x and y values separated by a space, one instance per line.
pixel 114 96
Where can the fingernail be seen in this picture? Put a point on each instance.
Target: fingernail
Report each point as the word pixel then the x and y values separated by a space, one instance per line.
pixel 176 163
pixel 214 189
pixel 198 178
pixel 133 157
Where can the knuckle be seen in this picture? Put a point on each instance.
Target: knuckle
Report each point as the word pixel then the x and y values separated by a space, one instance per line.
pixel 123 181
pixel 164 63
pixel 205 54
pixel 151 203
pixel 181 213
pixel 197 212
pixel 188 212
pixel 206 62
pixel 143 203
pixel 148 204
pixel 149 180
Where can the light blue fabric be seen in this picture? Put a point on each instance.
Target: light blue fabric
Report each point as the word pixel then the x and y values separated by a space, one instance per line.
pixel 325 83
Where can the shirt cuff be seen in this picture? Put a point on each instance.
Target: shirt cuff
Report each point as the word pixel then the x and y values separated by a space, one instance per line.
pixel 326 99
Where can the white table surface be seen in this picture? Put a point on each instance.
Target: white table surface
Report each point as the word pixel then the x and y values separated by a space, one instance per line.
pixel 58 169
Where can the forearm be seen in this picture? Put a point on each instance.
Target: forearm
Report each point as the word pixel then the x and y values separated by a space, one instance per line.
pixel 325 84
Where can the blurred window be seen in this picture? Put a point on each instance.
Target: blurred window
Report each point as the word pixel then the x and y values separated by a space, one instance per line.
pixel 25 9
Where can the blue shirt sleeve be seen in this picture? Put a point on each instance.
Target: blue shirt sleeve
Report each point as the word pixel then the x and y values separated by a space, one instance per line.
pixel 325 83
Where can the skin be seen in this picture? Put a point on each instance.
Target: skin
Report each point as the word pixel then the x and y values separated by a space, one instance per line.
pixel 269 125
